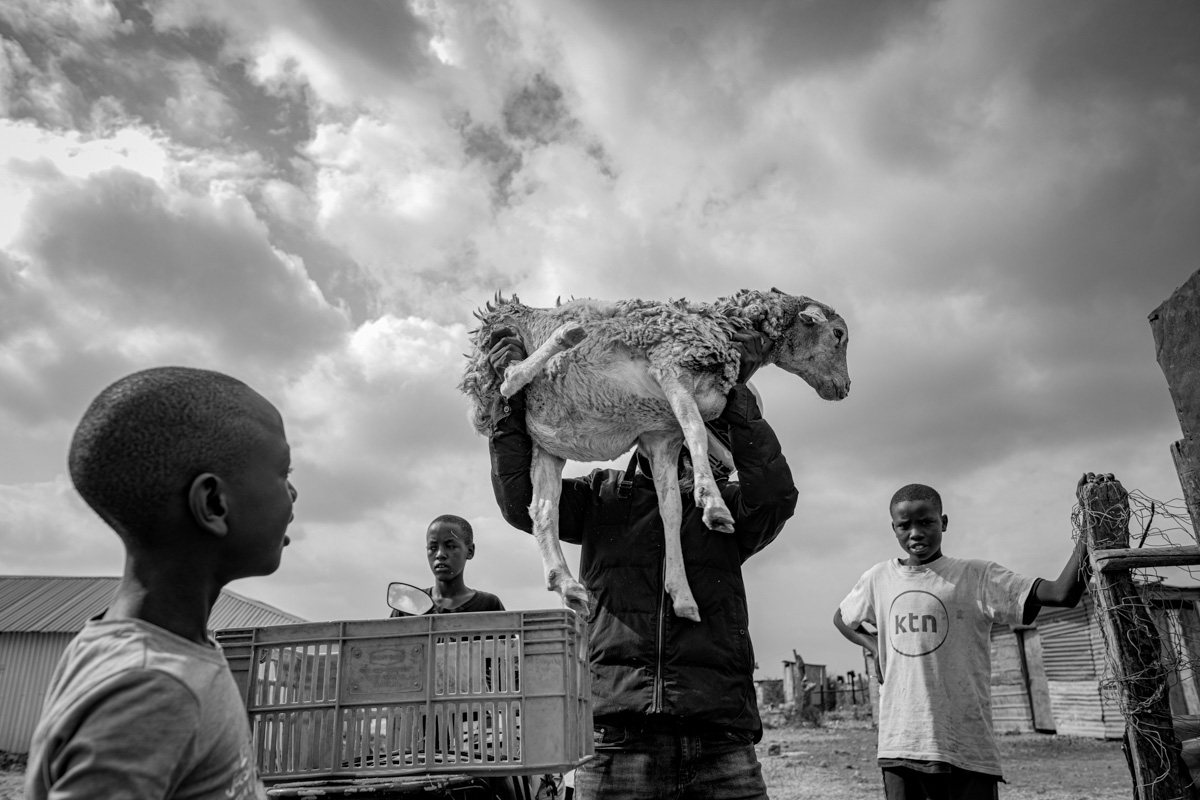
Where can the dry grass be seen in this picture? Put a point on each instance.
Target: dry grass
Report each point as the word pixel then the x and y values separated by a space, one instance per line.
pixel 837 762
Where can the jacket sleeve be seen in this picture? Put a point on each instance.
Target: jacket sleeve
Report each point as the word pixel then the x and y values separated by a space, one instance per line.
pixel 512 455
pixel 764 496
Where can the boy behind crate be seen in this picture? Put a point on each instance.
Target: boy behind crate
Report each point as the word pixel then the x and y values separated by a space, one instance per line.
pixel 933 615
pixel 190 468
pixel 449 545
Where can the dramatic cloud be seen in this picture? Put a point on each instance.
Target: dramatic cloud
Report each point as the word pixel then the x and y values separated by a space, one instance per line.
pixel 316 196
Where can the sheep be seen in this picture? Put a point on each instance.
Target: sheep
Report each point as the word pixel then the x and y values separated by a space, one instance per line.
pixel 600 377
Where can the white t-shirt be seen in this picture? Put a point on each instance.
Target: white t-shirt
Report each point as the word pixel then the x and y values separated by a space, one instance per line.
pixel 138 713
pixel 934 625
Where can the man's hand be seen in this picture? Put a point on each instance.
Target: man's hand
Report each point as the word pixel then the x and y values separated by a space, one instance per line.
pixel 504 349
pixel 750 346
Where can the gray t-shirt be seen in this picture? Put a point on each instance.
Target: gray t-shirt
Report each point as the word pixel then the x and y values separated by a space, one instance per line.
pixel 934 625
pixel 134 711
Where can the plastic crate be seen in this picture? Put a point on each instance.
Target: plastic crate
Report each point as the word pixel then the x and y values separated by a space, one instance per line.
pixel 504 692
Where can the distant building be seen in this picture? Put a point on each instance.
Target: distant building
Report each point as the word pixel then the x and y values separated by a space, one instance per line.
pixel 1051 673
pixel 39 615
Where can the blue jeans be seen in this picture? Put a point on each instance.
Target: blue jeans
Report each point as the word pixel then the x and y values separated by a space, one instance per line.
pixel 645 765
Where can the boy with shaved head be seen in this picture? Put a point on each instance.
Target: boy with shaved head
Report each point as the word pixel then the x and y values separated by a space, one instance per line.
pixel 933 616
pixel 190 469
pixel 449 545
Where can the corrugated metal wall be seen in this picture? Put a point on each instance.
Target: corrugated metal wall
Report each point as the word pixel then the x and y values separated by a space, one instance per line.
pixel 1010 692
pixel 1067 646
pixel 27 661
pixel 1073 653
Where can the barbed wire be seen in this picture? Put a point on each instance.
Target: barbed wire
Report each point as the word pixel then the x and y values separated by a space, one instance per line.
pixel 1159 649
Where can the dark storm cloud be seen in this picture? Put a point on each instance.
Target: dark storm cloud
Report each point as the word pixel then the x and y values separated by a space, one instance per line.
pixel 384 33
pixel 154 76
pixel 534 114
pixel 117 239
pixel 1141 55
pixel 789 36
pixel 341 279
pixel 962 394
pixel 1077 119
pixel 829 34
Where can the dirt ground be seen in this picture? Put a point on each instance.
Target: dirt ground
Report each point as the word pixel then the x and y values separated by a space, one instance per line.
pixel 837 762
pixel 12 775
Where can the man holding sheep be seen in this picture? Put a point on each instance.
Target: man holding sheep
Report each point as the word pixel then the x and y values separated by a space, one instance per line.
pixel 673 700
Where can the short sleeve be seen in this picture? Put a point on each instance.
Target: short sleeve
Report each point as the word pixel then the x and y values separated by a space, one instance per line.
pixel 859 606
pixel 1004 593
pixel 128 741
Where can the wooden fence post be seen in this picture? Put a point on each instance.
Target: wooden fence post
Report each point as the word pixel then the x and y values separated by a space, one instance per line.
pixel 1134 649
pixel 1176 327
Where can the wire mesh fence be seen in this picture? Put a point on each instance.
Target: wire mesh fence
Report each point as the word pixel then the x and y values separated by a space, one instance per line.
pixel 1151 630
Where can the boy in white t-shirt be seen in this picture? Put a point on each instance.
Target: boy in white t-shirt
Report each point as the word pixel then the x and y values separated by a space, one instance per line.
pixel 190 468
pixel 933 615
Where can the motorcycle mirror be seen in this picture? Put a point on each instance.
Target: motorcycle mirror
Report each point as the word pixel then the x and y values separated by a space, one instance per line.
pixel 408 599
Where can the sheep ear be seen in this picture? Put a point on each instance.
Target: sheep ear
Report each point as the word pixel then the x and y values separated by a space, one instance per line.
pixel 811 315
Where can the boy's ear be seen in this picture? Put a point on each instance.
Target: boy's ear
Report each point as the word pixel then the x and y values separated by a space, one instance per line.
pixel 945 522
pixel 208 505
pixel 471 550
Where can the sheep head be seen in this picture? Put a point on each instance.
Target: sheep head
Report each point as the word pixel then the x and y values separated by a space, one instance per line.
pixel 809 339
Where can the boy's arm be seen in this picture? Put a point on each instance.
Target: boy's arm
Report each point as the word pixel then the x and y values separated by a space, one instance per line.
pixel 862 638
pixel 1068 588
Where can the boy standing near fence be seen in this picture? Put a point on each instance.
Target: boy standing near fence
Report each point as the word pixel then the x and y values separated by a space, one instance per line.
pixel 190 468
pixel 933 616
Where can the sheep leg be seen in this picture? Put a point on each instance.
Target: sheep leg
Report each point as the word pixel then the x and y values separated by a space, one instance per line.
pixel 663 449
pixel 695 435
pixel 546 472
pixel 718 450
pixel 518 375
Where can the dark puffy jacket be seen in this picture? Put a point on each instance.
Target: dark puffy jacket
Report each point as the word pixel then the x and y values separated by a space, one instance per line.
pixel 644 659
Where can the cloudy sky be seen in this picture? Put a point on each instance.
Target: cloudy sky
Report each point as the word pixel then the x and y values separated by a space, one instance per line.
pixel 315 196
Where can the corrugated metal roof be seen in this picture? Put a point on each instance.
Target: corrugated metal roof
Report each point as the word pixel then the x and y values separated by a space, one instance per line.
pixel 52 604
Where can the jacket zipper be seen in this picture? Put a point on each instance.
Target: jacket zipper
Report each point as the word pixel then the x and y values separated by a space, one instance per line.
pixel 656 704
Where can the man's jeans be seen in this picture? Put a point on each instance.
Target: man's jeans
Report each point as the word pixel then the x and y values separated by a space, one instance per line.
pixel 642 765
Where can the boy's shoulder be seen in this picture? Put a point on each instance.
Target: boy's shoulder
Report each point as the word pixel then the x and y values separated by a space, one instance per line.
pixel 894 568
pixel 147 707
pixel 107 649
pixel 879 570
pixel 977 565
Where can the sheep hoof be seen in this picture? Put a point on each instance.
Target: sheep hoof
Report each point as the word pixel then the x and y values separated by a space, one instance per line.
pixel 575 597
pixel 570 335
pixel 718 518
pixel 686 608
pixel 511 383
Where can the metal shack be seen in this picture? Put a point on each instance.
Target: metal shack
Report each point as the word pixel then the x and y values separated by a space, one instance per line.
pixel 39 615
pixel 1048 676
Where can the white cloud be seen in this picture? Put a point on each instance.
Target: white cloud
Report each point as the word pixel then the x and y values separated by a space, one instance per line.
pixel 45 528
